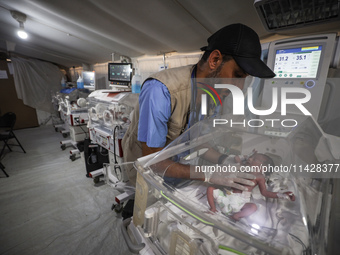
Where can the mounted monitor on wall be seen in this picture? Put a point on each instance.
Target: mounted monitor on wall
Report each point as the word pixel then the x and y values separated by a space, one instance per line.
pixel 89 78
pixel 120 75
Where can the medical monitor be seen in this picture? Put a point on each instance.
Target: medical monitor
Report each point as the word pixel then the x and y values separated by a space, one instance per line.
pixel 300 62
pixel 120 74
pixel 89 79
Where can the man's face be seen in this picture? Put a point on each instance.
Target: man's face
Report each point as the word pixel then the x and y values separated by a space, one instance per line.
pixel 232 73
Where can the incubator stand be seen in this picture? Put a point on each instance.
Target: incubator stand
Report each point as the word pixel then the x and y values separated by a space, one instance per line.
pixel 77 118
pixel 74 117
pixel 58 101
pixel 175 218
pixel 109 118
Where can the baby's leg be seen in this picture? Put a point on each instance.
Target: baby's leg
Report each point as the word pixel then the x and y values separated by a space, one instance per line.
pixel 246 210
pixel 210 197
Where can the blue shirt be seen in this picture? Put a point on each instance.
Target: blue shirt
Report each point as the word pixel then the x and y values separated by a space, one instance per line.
pixel 154 113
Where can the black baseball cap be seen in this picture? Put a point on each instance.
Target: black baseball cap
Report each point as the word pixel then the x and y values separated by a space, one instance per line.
pixel 243 44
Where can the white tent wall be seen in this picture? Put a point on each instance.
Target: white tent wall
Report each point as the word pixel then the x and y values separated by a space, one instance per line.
pixel 148 65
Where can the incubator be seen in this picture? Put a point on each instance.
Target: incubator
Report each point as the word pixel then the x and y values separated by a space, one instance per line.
pixel 109 117
pixel 72 108
pixel 172 216
pixel 56 117
pixel 60 105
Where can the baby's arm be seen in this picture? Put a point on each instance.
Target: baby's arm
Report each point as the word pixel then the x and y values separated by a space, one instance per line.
pixel 210 198
pixel 263 189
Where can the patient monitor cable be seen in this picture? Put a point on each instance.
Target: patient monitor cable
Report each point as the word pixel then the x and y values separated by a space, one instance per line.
pixel 114 154
pixel 295 238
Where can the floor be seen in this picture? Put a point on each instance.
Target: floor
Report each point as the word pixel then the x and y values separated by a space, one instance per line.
pixel 48 205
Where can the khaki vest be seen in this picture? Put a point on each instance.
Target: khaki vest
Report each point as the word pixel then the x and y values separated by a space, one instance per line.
pixel 178 82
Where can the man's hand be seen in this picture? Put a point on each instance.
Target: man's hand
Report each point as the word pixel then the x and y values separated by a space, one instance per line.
pixel 236 180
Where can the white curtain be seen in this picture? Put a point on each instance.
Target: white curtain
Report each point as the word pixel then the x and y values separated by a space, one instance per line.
pixel 35 82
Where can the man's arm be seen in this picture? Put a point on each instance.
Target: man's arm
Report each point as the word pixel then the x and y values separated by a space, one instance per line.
pixel 173 169
pixel 213 156
pixel 154 114
pixel 146 150
pixel 155 110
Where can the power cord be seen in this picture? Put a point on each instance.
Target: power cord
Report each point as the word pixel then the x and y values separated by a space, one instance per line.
pixel 81 127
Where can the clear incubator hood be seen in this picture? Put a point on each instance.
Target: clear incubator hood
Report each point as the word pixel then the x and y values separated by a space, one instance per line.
pixel 176 215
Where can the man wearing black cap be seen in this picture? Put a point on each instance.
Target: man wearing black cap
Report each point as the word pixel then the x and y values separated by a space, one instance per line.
pixel 164 102
pixel 243 45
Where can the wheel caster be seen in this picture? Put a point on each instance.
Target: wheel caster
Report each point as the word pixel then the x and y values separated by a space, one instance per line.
pixel 96 179
pixel 63 147
pixel 64 135
pixel 56 129
pixel 73 157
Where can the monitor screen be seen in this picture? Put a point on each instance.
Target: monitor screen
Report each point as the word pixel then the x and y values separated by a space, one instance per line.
pixel 302 62
pixel 89 78
pixel 120 72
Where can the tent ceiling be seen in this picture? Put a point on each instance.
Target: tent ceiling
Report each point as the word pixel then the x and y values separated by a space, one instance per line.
pixel 74 32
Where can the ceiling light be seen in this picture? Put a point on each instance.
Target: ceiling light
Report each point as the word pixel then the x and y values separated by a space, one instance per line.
pixel 21 32
pixel 21 18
